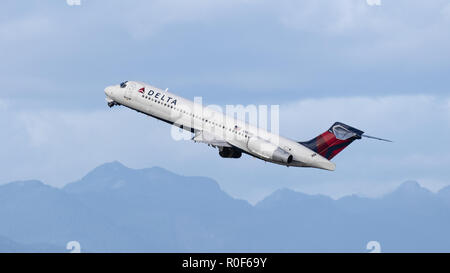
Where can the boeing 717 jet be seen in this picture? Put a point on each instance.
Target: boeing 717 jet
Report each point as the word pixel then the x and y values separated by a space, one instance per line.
pixel 233 137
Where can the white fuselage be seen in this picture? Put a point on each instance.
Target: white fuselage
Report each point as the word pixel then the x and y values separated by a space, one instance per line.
pixel 212 124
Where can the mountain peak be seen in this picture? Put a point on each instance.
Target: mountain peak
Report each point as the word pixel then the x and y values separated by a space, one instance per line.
pixel 108 169
pixel 288 197
pixel 411 187
pixel 113 165
pixel 25 186
pixel 103 176
pixel 113 176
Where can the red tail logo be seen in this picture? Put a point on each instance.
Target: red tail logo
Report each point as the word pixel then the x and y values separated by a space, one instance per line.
pixel 333 141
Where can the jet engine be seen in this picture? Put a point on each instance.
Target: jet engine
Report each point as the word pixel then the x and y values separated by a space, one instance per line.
pixel 268 150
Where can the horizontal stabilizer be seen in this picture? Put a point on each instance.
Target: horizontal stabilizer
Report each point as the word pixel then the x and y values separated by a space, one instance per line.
pixel 377 138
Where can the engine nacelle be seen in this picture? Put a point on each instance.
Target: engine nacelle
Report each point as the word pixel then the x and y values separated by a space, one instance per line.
pixel 269 150
pixel 281 155
pixel 227 152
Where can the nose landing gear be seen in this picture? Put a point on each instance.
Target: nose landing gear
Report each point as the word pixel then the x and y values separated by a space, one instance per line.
pixel 111 103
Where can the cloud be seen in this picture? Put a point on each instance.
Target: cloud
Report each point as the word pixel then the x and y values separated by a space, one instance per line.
pixel 238 46
pixel 373 2
pixel 25 28
pixel 396 30
pixel 3 105
pixel 389 114
pixel 417 124
pixel 322 16
pixel 349 58
pixel 446 11
pixel 60 146
pixel 143 19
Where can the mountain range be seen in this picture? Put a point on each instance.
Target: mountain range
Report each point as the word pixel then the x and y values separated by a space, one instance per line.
pixel 117 209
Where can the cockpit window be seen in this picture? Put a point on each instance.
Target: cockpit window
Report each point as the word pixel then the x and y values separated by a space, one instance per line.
pixel 123 84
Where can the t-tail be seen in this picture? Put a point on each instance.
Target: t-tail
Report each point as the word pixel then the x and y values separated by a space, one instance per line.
pixel 333 141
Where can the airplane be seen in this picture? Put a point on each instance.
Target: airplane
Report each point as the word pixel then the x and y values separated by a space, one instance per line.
pixel 233 137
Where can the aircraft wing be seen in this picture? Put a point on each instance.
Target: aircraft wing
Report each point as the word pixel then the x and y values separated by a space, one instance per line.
pixel 210 139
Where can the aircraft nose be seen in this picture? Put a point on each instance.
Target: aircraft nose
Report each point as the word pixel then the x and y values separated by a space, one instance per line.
pixel 108 91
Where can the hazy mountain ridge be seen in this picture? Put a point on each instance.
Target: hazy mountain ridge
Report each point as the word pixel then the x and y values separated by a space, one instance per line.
pixel 115 208
pixel 10 246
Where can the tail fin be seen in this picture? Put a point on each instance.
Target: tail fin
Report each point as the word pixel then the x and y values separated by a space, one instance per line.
pixel 333 141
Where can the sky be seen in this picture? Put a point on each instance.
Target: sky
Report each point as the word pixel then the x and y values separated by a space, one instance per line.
pixel 380 66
